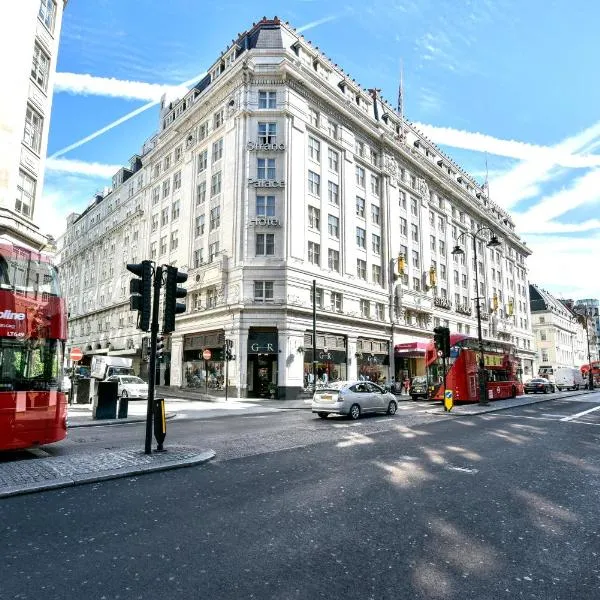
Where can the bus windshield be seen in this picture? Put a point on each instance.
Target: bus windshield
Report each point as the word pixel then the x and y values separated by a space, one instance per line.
pixel 33 364
pixel 25 273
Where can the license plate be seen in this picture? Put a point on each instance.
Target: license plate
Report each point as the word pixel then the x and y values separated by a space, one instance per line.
pixel 326 397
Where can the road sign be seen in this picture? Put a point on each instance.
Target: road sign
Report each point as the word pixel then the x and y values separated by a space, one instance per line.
pixel 207 354
pixel 440 353
pixel 448 400
pixel 76 354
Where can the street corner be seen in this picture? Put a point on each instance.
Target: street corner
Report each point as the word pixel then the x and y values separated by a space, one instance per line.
pixel 39 474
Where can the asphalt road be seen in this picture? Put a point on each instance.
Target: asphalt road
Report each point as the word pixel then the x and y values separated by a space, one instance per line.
pixel 503 505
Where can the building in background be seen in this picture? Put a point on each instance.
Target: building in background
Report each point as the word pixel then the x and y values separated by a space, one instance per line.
pixel 275 170
pixel 29 36
pixel 560 336
pixel 590 311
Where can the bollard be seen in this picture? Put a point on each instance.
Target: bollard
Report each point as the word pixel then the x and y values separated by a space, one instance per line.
pixel 160 423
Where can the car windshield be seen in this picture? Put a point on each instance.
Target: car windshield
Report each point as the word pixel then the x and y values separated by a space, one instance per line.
pixel 132 380
pixel 419 380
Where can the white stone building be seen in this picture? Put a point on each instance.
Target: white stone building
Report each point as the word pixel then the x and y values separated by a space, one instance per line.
pixel 560 338
pixel 29 36
pixel 278 169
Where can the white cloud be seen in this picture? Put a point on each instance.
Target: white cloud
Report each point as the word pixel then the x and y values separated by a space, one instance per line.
pixel 79 167
pixel 86 84
pixel 316 23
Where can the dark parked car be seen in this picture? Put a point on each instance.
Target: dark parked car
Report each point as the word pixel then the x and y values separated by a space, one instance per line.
pixel 538 384
pixel 419 388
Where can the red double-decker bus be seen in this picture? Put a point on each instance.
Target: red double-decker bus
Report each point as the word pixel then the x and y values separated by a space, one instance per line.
pixel 462 369
pixel 33 332
pixel 585 370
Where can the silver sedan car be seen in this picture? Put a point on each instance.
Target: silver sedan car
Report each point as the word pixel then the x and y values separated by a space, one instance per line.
pixel 352 398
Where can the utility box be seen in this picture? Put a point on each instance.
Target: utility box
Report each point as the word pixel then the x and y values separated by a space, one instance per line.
pixel 105 403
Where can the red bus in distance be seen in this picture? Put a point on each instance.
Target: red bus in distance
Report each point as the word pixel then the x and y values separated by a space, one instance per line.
pixel 33 332
pixel 462 369
pixel 585 369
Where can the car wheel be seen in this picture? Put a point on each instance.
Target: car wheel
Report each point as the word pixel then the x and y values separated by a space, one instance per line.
pixel 323 415
pixel 354 412
pixel 545 390
pixel 391 409
pixel 124 394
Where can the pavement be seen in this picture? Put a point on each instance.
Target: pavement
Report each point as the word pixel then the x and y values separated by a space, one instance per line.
pixel 36 470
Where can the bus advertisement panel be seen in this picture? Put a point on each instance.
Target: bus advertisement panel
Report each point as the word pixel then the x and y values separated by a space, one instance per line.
pixel 33 332
pixel 462 370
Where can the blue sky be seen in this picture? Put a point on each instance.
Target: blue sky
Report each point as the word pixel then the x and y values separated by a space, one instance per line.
pixel 504 80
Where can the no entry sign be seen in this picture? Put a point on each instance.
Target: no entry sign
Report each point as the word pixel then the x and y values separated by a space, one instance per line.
pixel 76 354
pixel 207 354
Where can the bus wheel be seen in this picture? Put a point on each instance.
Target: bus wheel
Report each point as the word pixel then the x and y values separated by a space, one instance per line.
pixel 513 392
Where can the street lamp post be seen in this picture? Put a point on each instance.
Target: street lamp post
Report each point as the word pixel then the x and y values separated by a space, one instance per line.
pixel 587 333
pixel 493 243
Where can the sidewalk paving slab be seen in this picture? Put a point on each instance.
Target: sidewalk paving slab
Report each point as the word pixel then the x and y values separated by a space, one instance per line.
pixel 37 474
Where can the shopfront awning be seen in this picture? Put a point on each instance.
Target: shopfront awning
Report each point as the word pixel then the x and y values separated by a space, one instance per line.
pixel 410 349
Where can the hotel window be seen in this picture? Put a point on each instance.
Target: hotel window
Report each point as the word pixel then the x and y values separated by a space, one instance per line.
pixel 374 157
pixel 402 200
pixel 442 247
pixel 202 131
pixel 414 207
pixel 376 274
pixel 454 232
pixel 360 177
pixel 167 162
pixel 201 192
pixel 403 226
pixel 365 308
pixel 333 159
pixel 379 311
pixel 267 133
pixel 333 260
pixel 267 99
pixel 166 188
pixel 456 300
pixel 40 67
pixel 156 195
pixel 361 237
pixel 314 149
pixel 218 119
pixel 335 301
pixel 263 291
pixel 177 180
pixel 32 134
pixel 432 241
pixel 215 218
pixel 375 244
pixel 333 226
pixel 164 217
pixel 47 14
pixel 332 127
pixel 414 233
pixel 314 253
pixel 465 301
pixel 154 226
pixel 415 259
pixel 175 210
pixel 375 212
pixel 198 257
pixel 317 300
pixel 202 161
pixel 265 206
pixel 375 185
pixel 265 168
pixel 361 269
pixel 265 244
pixel 314 217
pixel 199 225
pixel 25 194
pixel 416 284
pixel 314 183
pixel 174 240
pixel 313 117
pixel 359 148
pixel 163 245
pixel 431 218
pixel 213 250
pixel 215 184
pixel 456 277
pixel 360 207
pixel 333 193
pixel 413 182
pixel 217 150
pixel 211 297
pixel 443 273
pixel 441 224
pixel 178 154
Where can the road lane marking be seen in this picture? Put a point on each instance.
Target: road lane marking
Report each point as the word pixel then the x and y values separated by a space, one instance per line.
pixel 580 414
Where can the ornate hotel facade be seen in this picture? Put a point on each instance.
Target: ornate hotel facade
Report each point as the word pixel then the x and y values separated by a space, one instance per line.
pixel 274 171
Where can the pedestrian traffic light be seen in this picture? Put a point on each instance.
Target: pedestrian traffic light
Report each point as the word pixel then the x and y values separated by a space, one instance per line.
pixel 140 289
pixel 160 347
pixel 172 292
pixel 441 339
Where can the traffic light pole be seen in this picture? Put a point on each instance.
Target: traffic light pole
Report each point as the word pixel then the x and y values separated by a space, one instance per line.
pixel 152 365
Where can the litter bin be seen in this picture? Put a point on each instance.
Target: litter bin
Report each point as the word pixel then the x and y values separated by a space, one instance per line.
pixel 81 388
pixel 123 408
pixel 106 401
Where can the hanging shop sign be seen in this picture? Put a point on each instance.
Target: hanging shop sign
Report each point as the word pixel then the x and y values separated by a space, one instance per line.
pixel 254 146
pixel 265 183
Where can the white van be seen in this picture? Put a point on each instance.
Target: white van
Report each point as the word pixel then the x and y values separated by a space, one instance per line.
pixel 568 378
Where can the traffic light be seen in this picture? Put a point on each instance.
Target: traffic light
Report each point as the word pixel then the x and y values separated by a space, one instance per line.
pixel 172 292
pixel 140 289
pixel 229 350
pixel 160 348
pixel 441 339
pixel 401 264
